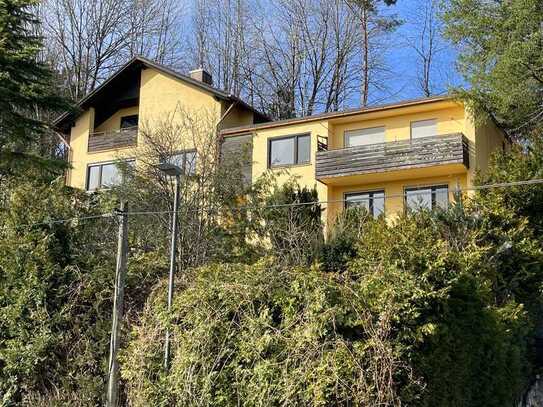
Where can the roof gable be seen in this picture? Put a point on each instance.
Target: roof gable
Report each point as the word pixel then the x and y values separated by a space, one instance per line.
pixel 124 81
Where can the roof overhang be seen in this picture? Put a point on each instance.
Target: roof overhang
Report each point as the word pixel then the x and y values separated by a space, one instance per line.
pixel 345 115
pixel 128 72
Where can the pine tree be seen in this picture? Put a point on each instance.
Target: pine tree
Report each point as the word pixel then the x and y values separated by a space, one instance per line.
pixel 26 90
pixel 501 58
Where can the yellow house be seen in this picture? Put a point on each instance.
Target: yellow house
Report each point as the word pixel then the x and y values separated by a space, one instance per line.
pixel 109 120
pixel 386 158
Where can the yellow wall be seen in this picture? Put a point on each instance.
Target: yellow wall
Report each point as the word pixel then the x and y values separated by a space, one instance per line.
pixel 79 157
pixel 162 98
pixel 394 190
pixel 489 139
pixel 161 95
pixel 305 173
pixel 236 117
pixel 78 149
pixel 451 118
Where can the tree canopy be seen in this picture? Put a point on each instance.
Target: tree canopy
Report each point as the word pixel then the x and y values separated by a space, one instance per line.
pixel 26 89
pixel 501 59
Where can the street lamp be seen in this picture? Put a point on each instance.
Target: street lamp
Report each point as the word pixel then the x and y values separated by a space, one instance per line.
pixel 171 170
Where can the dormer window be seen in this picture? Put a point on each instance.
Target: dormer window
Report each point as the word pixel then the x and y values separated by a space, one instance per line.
pixel 128 122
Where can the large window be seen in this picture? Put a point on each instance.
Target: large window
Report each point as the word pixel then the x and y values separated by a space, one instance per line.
pixel 186 160
pixel 424 128
pixel 427 197
pixel 291 150
pixel 129 121
pixel 364 137
pixel 104 175
pixel 373 201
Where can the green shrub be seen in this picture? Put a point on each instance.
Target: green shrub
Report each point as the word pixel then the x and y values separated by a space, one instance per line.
pixel 56 288
pixel 431 311
pixel 258 336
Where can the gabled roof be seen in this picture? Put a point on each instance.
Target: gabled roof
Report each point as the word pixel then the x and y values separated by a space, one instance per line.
pixel 335 115
pixel 137 63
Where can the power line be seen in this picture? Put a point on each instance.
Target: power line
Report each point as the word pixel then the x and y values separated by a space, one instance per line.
pixel 66 220
pixel 288 205
pixel 401 195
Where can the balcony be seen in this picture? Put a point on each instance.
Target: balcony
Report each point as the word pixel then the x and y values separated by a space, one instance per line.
pixel 114 139
pixel 449 152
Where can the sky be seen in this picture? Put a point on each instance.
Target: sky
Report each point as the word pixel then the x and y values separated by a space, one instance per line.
pixel 403 60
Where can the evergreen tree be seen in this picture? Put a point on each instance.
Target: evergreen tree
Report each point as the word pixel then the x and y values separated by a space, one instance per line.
pixel 501 58
pixel 26 90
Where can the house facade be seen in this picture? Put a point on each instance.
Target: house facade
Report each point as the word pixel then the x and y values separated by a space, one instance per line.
pixel 386 158
pixel 108 125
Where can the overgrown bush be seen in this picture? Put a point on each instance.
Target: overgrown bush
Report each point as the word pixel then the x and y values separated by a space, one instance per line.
pixel 56 288
pixel 434 310
pixel 259 336
pixel 288 217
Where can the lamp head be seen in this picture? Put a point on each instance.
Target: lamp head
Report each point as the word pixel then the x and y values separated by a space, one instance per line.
pixel 170 169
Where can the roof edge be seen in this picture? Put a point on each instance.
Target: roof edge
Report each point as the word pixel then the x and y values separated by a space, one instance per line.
pixel 334 115
pixel 163 69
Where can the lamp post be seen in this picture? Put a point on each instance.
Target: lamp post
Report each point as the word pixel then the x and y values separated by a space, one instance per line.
pixel 172 171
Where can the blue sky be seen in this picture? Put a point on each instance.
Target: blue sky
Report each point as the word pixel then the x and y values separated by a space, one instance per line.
pixel 403 61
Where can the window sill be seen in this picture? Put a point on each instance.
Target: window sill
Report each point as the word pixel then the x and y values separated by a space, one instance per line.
pixel 286 167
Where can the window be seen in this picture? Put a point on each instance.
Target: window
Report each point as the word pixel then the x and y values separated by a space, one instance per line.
pixel 186 160
pixel 424 128
pixel 363 137
pixel 373 201
pixel 289 150
pixel 427 197
pixel 104 175
pixel 129 121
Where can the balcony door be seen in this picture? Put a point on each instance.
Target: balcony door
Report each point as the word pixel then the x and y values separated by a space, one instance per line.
pixel 364 137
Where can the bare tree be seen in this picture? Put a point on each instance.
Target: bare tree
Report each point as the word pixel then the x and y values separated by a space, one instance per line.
pixel 304 52
pixel 219 41
pixel 427 43
pixel 342 80
pixel 209 190
pixel 375 26
pixel 89 39
pixel 154 30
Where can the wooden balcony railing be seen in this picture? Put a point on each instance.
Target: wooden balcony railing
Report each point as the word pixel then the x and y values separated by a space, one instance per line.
pixel 108 140
pixel 395 155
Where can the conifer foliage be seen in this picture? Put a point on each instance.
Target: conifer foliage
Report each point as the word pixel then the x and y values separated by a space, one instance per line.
pixel 26 88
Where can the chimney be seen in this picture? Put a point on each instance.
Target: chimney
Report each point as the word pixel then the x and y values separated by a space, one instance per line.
pixel 202 75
